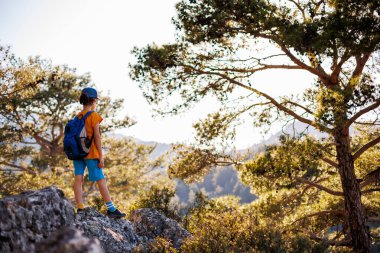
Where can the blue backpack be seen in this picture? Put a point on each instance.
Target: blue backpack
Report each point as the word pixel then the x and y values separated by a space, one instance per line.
pixel 76 143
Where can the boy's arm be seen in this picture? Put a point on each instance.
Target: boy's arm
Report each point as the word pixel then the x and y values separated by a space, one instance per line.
pixel 98 144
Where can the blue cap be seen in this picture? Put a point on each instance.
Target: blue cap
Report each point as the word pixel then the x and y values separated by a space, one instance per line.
pixel 90 92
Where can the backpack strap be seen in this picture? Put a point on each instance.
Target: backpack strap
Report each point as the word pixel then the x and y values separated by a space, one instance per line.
pixel 84 118
pixel 87 114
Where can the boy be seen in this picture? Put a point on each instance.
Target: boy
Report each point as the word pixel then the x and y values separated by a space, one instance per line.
pixel 94 160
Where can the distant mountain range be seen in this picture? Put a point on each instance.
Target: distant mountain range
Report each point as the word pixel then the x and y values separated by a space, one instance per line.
pixel 224 180
pixel 219 182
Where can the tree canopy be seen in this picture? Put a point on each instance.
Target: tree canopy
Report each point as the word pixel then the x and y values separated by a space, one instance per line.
pixel 222 44
pixel 37 100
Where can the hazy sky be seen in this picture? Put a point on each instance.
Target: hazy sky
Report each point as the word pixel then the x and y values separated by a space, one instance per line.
pixel 97 36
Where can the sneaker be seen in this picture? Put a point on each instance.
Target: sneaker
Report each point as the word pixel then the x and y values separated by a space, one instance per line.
pixel 115 214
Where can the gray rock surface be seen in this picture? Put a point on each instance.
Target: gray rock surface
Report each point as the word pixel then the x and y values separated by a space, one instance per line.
pixel 44 221
pixel 114 235
pixel 70 240
pixel 31 216
pixel 150 223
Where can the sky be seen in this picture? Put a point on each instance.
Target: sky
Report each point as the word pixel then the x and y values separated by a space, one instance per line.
pixel 97 37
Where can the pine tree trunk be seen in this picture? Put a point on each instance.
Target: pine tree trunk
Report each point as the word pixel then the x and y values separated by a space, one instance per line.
pixel 355 213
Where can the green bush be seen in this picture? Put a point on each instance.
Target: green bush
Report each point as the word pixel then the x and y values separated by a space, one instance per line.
pixel 159 198
pixel 221 225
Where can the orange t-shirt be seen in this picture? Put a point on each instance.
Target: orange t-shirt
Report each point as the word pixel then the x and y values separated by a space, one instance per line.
pixel 90 123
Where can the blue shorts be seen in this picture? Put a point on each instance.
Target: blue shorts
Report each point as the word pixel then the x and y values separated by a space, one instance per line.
pixel 94 173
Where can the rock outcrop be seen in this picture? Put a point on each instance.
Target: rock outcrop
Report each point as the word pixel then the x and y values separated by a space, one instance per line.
pixel 31 216
pixel 44 221
pixel 149 223
pixel 69 239
pixel 114 235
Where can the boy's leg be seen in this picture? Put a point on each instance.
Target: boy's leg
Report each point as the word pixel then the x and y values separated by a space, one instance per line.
pixel 106 195
pixel 112 211
pixel 96 174
pixel 78 192
pixel 104 190
pixel 79 167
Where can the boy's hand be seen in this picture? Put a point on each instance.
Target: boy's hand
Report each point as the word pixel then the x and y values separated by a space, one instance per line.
pixel 101 163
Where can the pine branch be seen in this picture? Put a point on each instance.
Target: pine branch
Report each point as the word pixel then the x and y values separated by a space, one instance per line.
pixel 271 99
pixel 338 67
pixel 331 162
pixel 300 106
pixel 360 63
pixel 370 191
pixel 321 74
pixel 366 147
pixel 299 7
pixel 373 219
pixel 362 112
pixel 336 212
pixel 314 237
pixel 19 167
pixel 371 177
pixel 264 67
pixel 320 187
